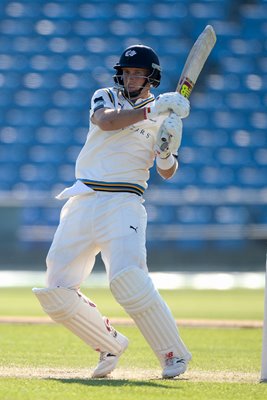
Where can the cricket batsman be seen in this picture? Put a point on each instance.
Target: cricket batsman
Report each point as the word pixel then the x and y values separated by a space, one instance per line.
pixel 130 130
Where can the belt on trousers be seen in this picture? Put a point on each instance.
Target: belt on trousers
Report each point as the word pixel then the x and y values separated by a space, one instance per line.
pixel 114 186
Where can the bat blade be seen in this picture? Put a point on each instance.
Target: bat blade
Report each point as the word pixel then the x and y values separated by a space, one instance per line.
pixel 196 60
pixel 194 63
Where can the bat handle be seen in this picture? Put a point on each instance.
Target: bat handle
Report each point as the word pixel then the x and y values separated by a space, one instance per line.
pixel 165 138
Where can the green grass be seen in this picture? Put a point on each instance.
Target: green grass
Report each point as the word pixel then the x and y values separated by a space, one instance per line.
pixel 59 389
pixel 44 345
pixel 211 304
pixel 215 351
pixel 54 347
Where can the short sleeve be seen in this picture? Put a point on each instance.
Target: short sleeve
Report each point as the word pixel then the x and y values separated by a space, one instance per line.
pixel 102 98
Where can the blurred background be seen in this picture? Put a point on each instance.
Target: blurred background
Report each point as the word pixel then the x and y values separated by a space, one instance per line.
pixel 212 216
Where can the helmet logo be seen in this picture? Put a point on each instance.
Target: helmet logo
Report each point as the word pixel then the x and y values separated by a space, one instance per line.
pixel 130 53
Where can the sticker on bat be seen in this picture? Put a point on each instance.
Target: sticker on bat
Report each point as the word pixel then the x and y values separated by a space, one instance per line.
pixel 186 87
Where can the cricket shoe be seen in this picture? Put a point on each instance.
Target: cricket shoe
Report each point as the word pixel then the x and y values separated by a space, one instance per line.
pixel 108 361
pixel 174 366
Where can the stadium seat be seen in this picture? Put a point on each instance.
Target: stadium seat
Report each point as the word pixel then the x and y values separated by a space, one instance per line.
pixel 231 215
pixel 252 176
pixel 193 215
pixel 216 176
pixel 54 55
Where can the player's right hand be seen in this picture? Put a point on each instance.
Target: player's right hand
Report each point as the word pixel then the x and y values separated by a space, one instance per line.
pixel 169 136
pixel 171 101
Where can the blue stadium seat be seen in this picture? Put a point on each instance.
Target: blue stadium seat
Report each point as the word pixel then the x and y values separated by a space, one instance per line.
pixel 234 156
pixel 193 215
pixel 250 138
pixel 187 175
pixel 66 174
pixel 53 135
pixel 258 120
pixel 254 177
pixel 210 101
pixel 106 12
pixel 59 10
pixel 253 12
pixel 162 28
pixel 22 9
pixel 12 27
pixel 8 175
pixel 161 214
pixel 31 216
pixel 243 47
pixel 54 55
pixel 50 215
pixel 231 215
pixel 11 153
pixel 216 176
pixel 6 98
pixel 249 102
pixel 193 156
pixel 262 63
pixel 261 215
pixel 40 154
pixel 260 156
pixel 224 82
pixel 208 138
pixel 210 10
pixel 138 10
pixel 37 174
pixel 242 64
pixel 229 120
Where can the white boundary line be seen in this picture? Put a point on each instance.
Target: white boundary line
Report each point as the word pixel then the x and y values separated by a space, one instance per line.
pixel 162 280
pixel 189 323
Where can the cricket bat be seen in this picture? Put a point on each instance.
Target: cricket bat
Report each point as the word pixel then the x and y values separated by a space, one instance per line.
pixel 194 63
pixel 196 60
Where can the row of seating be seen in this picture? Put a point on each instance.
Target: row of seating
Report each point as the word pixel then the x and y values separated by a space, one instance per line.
pixel 55 54
pixel 140 9
pixel 232 157
pixel 64 100
pixel 73 117
pixel 44 177
pixel 111 9
pixel 255 140
pixel 174 215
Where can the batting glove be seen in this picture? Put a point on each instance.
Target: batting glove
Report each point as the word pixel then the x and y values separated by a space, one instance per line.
pixel 173 102
pixel 169 136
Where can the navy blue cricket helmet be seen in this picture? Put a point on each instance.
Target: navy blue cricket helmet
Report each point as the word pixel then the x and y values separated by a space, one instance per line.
pixel 139 56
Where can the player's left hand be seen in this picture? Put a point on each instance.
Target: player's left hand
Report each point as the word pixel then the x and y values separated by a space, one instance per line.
pixel 169 136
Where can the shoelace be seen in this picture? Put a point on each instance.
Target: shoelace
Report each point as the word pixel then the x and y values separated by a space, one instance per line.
pixel 104 355
pixel 172 361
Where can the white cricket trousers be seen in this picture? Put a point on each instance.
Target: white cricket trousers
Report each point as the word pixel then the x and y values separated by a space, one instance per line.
pixel 111 223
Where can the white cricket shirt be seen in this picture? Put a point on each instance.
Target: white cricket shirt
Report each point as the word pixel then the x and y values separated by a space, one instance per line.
pixel 123 155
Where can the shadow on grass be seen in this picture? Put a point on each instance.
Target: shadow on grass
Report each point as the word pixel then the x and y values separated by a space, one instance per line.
pixel 117 382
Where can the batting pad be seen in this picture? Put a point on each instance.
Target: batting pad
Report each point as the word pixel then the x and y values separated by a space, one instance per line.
pixel 136 293
pixel 81 317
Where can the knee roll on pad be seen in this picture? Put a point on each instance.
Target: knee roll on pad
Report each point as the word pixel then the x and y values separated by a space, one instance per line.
pixel 134 290
pixel 60 303
pixel 81 317
pixel 136 293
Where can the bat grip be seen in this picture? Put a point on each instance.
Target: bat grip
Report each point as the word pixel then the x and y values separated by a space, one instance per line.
pixel 165 137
